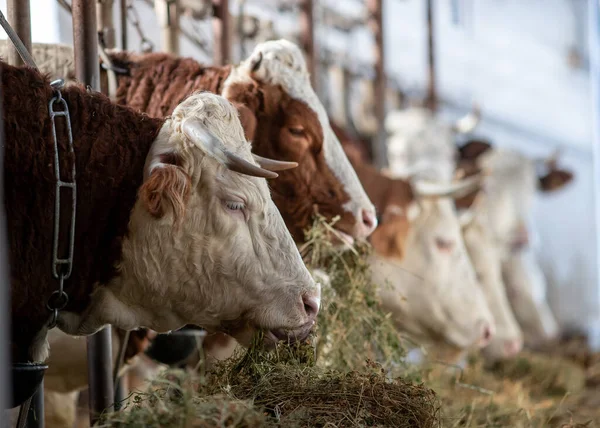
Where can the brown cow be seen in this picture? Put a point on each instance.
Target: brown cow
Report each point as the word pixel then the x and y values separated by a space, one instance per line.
pixel 281 115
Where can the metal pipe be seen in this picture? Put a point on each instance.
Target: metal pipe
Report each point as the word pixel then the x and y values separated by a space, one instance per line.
pixel 35 416
pixel 376 23
pixel 87 71
pixel 431 100
pixel 222 45
pixel 167 12
pixel 307 38
pixel 123 13
pixel 106 25
pixel 20 19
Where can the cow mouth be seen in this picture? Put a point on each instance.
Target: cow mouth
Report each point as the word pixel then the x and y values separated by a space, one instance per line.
pixel 342 238
pixel 274 336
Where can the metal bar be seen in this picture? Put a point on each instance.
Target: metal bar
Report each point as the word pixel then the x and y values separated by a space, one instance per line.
pixel 106 25
pixel 167 12
pixel 19 17
pixel 87 71
pixel 123 14
pixel 222 46
pixel 35 417
pixel 431 100
pixel 307 38
pixel 376 23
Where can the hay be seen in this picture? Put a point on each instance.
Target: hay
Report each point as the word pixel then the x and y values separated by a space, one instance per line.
pixel 280 389
pixel 351 325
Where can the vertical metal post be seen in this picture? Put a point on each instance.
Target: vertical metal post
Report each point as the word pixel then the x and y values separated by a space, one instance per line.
pixel 123 13
pixel 594 52
pixel 307 38
pixel 167 12
pixel 35 417
pixel 431 100
pixel 20 19
pixel 376 24
pixel 106 25
pixel 222 45
pixel 87 71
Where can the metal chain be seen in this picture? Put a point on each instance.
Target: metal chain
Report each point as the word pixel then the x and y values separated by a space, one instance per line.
pixel 132 16
pixel 61 268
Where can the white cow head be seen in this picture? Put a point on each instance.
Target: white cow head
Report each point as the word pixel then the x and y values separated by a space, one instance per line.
pixel 485 256
pixel 206 244
pixel 432 292
pixel 420 143
pixel 510 186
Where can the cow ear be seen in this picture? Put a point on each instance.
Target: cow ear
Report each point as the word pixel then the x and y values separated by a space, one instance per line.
pixel 248 120
pixel 167 188
pixel 472 149
pixel 555 179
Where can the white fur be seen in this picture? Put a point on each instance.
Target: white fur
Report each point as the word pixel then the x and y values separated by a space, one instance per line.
pixel 283 64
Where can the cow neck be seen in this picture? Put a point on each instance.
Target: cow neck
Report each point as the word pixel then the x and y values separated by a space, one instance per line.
pixel 111 144
pixel 156 83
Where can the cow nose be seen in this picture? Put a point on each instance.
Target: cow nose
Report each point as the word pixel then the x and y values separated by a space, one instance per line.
pixel 367 222
pixel 512 347
pixel 311 306
pixel 486 335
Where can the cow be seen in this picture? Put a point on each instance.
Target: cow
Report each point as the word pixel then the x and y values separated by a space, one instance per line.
pixel 425 277
pixel 175 224
pixel 281 115
pixel 511 183
pixel 425 146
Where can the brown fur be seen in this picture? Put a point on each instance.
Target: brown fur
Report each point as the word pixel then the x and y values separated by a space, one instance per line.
pixel 167 189
pixel 390 236
pixel 111 143
pixel 158 82
pixel 555 179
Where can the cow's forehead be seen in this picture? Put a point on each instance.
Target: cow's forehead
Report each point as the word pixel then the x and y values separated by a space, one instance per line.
pixel 283 64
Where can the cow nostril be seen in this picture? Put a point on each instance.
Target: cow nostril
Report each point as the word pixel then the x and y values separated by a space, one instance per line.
pixel 512 347
pixel 311 306
pixel 369 219
pixel 487 333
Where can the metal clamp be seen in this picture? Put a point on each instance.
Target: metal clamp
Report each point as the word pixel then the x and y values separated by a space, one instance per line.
pixel 61 267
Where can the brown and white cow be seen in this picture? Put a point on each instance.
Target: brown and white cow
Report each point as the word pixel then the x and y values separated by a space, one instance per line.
pixel 281 115
pixel 511 182
pixel 174 223
pixel 425 276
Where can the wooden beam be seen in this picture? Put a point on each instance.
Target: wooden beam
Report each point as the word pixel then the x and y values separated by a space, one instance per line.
pixel 375 8
pixel 106 25
pixel 87 71
pixel 221 32
pixel 19 17
pixel 307 38
pixel 167 12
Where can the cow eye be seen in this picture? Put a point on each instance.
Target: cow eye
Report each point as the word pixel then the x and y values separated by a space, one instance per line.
pixel 298 132
pixel 234 206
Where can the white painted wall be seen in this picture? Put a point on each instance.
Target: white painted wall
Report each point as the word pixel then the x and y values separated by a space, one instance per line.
pixel 508 55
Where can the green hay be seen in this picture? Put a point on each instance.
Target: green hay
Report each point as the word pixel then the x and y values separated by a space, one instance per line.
pixel 351 325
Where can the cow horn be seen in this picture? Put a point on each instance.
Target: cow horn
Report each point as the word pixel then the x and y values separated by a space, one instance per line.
pixel 428 189
pixel 202 137
pixel 469 122
pixel 274 165
pixel 255 63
